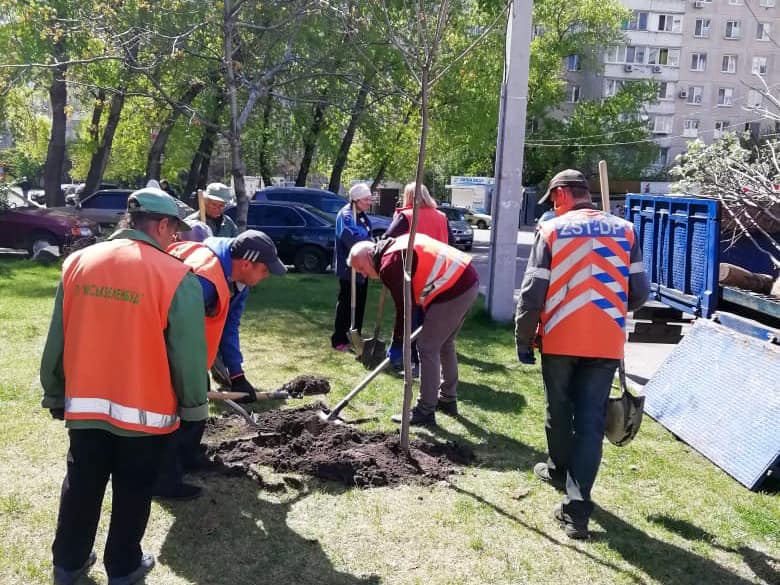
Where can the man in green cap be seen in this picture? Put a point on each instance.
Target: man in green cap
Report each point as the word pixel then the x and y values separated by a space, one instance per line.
pixel 124 364
pixel 216 197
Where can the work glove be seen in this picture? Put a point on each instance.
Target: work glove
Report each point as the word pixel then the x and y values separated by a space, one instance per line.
pixel 57 413
pixel 239 383
pixel 525 355
pixel 395 352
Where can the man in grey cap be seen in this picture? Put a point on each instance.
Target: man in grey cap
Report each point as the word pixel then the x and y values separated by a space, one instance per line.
pixel 123 365
pixel 216 197
pixel 226 268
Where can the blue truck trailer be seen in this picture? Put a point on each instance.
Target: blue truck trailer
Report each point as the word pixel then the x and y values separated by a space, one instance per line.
pixel 719 390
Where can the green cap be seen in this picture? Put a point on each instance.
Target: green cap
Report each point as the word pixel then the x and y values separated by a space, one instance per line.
pixel 157 201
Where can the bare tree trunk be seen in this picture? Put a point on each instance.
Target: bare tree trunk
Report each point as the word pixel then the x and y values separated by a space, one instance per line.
pixel 154 160
pixel 97 114
pixel 264 162
pixel 310 142
pixel 55 155
pixel 201 160
pixel 349 135
pixel 100 157
pixel 237 161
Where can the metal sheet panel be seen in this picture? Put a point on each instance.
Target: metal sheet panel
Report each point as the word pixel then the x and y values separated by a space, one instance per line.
pixel 719 392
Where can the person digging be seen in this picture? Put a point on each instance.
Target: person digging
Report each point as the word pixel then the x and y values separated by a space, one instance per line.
pixel 225 268
pixel 444 285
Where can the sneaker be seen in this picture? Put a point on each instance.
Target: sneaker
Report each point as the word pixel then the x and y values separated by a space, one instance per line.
pixel 344 347
pixel 147 564
pixel 65 577
pixel 418 418
pixel 447 407
pixel 180 492
pixel 543 472
pixel 575 529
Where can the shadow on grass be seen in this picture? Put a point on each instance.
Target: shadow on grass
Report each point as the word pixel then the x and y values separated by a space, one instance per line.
pixel 488 398
pixel 671 564
pixel 759 563
pixel 480 365
pixel 233 535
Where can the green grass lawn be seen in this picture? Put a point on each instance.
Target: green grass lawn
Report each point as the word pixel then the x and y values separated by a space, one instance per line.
pixel 665 514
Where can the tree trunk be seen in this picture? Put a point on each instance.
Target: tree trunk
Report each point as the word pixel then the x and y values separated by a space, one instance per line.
pixel 100 157
pixel 310 142
pixel 264 162
pixel 349 135
pixel 154 160
pixel 380 173
pixel 199 169
pixel 55 155
pixel 236 154
pixel 97 114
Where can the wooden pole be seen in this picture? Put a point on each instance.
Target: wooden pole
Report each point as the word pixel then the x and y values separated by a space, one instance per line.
pixel 604 182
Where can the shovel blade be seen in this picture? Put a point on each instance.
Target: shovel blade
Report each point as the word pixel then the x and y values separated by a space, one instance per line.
pixel 356 340
pixel 373 353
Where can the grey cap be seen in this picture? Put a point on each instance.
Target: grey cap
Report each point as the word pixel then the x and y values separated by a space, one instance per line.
pixel 566 178
pixel 256 246
pixel 218 192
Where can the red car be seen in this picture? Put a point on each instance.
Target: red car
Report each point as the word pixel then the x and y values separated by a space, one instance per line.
pixel 27 227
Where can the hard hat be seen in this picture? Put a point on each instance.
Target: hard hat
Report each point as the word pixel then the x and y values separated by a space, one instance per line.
pixel 624 415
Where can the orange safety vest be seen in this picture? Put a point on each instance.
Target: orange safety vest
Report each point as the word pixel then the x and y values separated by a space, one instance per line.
pixel 116 297
pixel 205 263
pixel 586 304
pixel 430 222
pixel 438 266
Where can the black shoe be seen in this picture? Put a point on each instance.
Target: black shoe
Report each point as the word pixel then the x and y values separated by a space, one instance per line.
pixel 575 529
pixel 543 472
pixel 180 492
pixel 147 564
pixel 418 418
pixel 65 577
pixel 450 408
pixel 198 463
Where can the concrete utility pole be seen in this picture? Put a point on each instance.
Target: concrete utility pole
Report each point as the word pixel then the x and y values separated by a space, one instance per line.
pixel 509 163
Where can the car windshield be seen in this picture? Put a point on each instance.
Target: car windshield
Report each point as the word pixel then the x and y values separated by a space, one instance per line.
pixel 453 214
pixel 331 205
pixel 321 214
pixel 15 201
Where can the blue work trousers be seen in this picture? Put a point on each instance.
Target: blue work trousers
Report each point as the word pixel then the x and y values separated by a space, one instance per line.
pixel 576 391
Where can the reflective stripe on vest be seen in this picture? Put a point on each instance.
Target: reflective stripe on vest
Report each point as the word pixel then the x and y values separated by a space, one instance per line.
pixel 101 408
pixel 438 266
pixel 204 262
pixel 430 221
pixel 585 309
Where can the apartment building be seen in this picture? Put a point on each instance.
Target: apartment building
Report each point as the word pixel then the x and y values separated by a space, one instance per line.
pixel 706 56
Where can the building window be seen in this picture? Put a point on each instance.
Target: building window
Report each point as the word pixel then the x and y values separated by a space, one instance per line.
pixel 736 2
pixel 754 99
pixel 691 128
pixel 725 96
pixel 720 129
pixel 663 124
pixel 766 3
pixel 612 86
pixel 666 90
pixel 669 23
pixel 663 157
pixel 638 21
pixel 695 93
pixel 538 30
pixel 733 29
pixel 573 94
pixel 729 64
pixel 763 31
pixel 702 28
pixel 573 63
pixel 759 66
pixel 698 61
pixel 635 55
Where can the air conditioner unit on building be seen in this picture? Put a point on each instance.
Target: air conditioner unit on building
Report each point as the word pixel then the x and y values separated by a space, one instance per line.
pixel 628 68
pixel 683 94
pixel 698 4
pixel 656 69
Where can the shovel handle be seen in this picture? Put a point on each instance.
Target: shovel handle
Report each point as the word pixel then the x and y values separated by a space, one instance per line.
pixel 276 395
pixel 334 414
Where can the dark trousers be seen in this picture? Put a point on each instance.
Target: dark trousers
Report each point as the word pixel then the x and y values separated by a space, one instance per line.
pixel 576 391
pixel 181 453
pixel 341 324
pixel 132 464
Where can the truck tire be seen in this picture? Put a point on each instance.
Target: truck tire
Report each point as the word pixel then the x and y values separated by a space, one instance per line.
pixel 310 259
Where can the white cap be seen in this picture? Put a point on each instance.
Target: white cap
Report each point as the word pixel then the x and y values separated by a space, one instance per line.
pixel 218 192
pixel 359 191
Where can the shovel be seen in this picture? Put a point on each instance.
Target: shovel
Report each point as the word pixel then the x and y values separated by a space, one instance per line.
pixel 374 348
pixel 355 339
pixel 320 420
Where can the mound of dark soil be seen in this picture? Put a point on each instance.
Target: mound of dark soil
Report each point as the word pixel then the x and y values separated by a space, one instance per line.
pixel 339 452
pixel 306 386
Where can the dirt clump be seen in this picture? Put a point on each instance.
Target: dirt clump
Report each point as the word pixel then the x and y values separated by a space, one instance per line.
pixel 306 386
pixel 338 453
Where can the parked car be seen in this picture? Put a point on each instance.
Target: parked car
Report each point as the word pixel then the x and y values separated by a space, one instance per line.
pixel 479 220
pixel 324 200
pixel 107 207
pixel 460 230
pixel 75 191
pixel 304 235
pixel 24 226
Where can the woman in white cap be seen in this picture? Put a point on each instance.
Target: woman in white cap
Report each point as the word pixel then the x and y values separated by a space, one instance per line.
pixel 349 231
pixel 216 197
